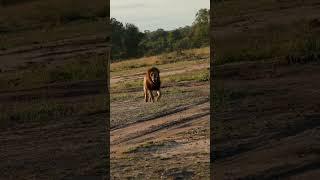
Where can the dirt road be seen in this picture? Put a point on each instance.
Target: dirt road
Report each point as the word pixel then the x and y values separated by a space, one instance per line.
pixel 167 144
pixel 269 125
pixel 55 52
pixel 45 131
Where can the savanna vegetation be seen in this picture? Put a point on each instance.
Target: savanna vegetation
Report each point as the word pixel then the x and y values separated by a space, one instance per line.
pixel 129 42
pixel 52 77
pixel 31 22
pixel 240 35
pixel 41 27
pixel 169 128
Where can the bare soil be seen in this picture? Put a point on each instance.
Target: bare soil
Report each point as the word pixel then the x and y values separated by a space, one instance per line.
pixel 64 148
pixel 269 127
pixel 266 125
pixel 170 144
pixel 55 52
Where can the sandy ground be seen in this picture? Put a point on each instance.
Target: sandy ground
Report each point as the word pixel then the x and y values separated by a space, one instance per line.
pixel 63 148
pixel 54 52
pixel 270 128
pixel 75 145
pixel 170 145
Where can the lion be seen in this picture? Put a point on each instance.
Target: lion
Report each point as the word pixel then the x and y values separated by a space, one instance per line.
pixel 151 82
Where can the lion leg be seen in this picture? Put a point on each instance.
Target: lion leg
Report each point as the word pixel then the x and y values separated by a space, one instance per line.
pixel 159 95
pixel 145 90
pixel 151 96
pixel 145 95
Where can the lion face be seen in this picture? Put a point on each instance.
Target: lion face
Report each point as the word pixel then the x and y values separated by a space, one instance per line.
pixel 154 76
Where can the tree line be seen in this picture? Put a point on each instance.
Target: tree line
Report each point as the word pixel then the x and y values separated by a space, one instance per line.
pixel 129 42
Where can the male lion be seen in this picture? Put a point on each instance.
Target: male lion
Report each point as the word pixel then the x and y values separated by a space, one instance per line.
pixel 151 82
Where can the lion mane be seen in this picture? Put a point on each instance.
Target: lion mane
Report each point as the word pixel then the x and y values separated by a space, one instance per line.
pixel 151 85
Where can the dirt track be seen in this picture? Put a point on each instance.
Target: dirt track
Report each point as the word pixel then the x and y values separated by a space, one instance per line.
pixel 160 128
pixel 164 143
pixel 280 138
pixel 60 148
pixel 52 52
pixel 269 129
pixel 51 151
pixel 63 148
pixel 71 142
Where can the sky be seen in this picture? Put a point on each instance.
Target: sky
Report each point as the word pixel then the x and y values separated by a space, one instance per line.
pixel 154 14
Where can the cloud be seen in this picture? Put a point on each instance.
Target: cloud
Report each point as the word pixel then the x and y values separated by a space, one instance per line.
pixel 128 6
pixel 155 14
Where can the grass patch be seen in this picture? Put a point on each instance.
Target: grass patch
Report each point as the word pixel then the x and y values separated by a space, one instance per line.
pixel 36 112
pixel 150 146
pixel 48 34
pixel 125 96
pixel 136 96
pixel 89 70
pixel 44 110
pixel 125 85
pixel 176 90
pixel 135 109
pixel 244 55
pixel 262 43
pixel 162 59
pixel 37 74
pixel 49 13
pixel 197 76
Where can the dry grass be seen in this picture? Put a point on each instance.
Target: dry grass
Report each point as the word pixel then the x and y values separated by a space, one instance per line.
pixel 42 110
pixel 166 58
pixel 36 22
pixel 38 75
pixel 253 32
pixel 194 76
pixel 130 91
pixel 49 12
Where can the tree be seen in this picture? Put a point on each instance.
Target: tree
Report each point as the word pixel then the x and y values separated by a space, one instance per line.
pixel 173 37
pixel 200 28
pixel 202 17
pixel 155 42
pixel 132 38
pixel 125 40
pixel 117 40
pixel 128 41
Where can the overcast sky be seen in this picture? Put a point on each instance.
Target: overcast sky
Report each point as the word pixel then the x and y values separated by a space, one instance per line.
pixel 155 14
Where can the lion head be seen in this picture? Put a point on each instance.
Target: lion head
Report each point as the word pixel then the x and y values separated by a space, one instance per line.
pixel 154 75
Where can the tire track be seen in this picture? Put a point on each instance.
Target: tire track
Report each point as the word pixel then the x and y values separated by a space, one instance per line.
pixel 138 132
pixel 162 114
